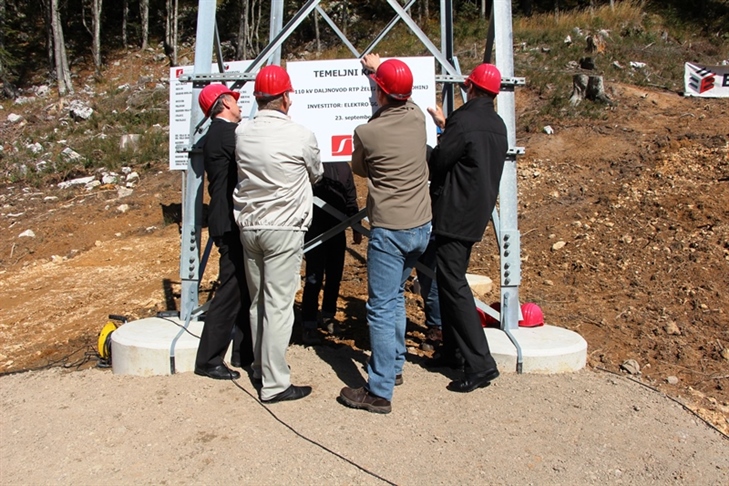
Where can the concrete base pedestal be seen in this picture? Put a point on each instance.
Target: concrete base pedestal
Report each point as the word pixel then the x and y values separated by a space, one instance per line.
pixel 143 347
pixel 545 349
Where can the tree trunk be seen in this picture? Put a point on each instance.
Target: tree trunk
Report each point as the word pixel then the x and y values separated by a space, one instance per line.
pixel 8 88
pixel 2 40
pixel 63 74
pixel 46 4
pixel 316 32
pixel 174 32
pixel 125 16
pixel 144 13
pixel 96 43
pixel 242 50
pixel 257 25
pixel 170 43
pixel 612 4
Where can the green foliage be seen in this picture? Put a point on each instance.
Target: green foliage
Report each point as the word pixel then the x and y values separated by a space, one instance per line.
pixel 628 33
pixel 661 36
pixel 97 140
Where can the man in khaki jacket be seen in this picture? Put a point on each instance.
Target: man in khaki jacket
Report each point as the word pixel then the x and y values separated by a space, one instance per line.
pixel 390 151
pixel 278 161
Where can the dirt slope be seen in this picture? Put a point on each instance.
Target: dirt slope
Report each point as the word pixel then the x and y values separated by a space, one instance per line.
pixel 641 199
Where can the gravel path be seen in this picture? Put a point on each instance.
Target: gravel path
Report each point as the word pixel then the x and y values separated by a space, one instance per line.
pixel 91 426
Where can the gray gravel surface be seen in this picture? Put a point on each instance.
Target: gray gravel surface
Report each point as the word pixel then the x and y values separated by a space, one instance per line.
pixel 92 427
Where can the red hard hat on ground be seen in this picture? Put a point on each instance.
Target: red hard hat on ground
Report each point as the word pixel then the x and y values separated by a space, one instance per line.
pixel 210 94
pixel 272 81
pixel 487 77
pixel 533 316
pixel 487 320
pixel 394 78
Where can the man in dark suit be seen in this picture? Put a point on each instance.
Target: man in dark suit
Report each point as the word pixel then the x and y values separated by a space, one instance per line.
pixel 465 170
pixel 229 307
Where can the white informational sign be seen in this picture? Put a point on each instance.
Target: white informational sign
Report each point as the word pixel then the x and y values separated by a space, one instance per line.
pixel 333 97
pixel 706 81
pixel 180 107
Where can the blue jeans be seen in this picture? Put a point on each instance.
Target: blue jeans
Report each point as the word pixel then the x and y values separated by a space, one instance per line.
pixel 429 287
pixel 391 256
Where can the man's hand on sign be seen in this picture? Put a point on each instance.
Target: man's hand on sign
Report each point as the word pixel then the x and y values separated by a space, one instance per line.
pixel 438 116
pixel 371 62
pixel 356 237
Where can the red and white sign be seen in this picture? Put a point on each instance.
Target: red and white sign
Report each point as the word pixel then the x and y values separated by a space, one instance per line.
pixel 333 97
pixel 341 145
pixel 706 81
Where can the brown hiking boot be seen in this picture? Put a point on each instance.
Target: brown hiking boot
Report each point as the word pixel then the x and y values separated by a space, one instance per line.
pixel 362 398
pixel 434 334
pixel 433 338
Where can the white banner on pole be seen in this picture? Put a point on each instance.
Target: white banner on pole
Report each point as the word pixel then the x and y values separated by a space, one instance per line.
pixel 706 81
pixel 180 108
pixel 333 97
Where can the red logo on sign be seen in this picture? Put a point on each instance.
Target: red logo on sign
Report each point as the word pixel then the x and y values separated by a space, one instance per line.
pixel 178 73
pixel 341 144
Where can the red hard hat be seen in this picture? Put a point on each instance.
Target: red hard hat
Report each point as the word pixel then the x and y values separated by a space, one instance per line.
pixel 487 320
pixel 210 94
pixel 272 81
pixel 394 78
pixel 532 314
pixel 487 77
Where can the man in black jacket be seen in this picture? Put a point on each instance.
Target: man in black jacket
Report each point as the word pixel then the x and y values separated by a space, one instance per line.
pixel 465 171
pixel 325 262
pixel 231 303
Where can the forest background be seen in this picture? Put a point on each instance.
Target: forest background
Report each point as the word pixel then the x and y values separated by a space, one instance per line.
pixel 48 38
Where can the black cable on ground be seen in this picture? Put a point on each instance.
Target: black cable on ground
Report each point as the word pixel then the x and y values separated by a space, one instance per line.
pixel 60 362
pixel 312 441
pixel 179 325
pixel 684 406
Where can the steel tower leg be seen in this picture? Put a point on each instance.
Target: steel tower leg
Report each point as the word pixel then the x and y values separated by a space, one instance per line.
pixel 509 232
pixel 275 26
pixel 446 44
pixel 193 180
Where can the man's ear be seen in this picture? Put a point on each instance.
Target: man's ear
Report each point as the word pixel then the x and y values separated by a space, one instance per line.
pixel 227 100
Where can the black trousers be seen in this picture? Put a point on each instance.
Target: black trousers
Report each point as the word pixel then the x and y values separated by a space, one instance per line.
pixel 325 262
pixel 229 309
pixel 461 323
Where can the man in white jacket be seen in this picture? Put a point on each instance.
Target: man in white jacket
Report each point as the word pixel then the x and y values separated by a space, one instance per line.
pixel 278 161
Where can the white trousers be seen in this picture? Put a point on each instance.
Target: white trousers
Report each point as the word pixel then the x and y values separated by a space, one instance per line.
pixel 273 272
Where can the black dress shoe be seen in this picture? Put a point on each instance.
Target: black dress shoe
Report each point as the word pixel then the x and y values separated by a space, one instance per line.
pixel 473 381
pixel 291 393
pixel 217 372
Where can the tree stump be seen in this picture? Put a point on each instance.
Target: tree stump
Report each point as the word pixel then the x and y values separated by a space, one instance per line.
pixel 596 90
pixel 579 88
pixel 588 87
